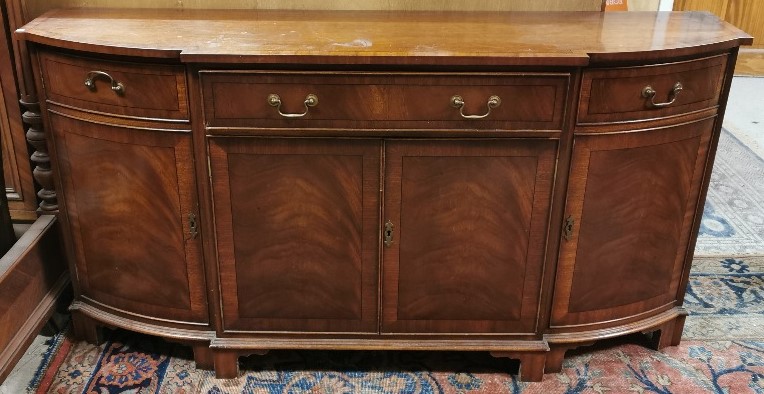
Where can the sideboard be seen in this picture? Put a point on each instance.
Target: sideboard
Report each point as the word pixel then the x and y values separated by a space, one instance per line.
pixel 518 183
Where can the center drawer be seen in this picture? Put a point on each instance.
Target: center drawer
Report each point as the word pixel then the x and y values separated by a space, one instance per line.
pixel 348 100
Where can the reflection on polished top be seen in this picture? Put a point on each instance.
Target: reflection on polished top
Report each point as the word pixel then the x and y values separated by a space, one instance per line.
pixel 362 37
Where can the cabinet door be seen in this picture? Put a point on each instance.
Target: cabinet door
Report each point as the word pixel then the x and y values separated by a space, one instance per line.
pixel 297 234
pixel 632 200
pixel 128 195
pixel 469 226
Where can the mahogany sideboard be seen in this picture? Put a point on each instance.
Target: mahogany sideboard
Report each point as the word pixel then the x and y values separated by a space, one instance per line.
pixel 518 183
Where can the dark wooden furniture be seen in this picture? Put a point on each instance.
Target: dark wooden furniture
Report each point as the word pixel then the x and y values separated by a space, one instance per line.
pixel 32 281
pixel 19 186
pixel 519 183
pixel 33 275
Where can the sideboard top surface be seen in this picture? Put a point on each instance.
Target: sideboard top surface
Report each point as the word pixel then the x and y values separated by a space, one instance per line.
pixel 385 37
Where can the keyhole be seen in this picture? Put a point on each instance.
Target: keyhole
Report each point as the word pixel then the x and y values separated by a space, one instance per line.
pixel 388 233
pixel 567 229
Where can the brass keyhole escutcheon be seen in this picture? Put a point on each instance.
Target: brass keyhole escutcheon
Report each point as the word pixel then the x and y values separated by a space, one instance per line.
pixel 193 227
pixel 388 234
pixel 567 228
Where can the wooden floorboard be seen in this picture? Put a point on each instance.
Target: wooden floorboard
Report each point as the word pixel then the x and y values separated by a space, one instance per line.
pixel 750 62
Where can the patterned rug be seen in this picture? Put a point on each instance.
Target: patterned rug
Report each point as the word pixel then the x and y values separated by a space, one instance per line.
pixel 733 217
pixel 725 298
pixel 722 352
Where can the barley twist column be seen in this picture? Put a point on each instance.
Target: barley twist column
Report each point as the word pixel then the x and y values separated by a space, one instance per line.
pixel 42 172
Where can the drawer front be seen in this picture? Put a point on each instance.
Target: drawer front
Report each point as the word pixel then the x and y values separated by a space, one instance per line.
pixel 396 101
pixel 622 94
pixel 119 88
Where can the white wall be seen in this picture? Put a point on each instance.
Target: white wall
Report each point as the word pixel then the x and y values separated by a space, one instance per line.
pixel 651 5
pixel 666 5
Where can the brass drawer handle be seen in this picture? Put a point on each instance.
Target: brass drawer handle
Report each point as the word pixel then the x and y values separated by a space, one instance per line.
pixel 458 102
pixel 116 86
pixel 649 92
pixel 388 234
pixel 311 100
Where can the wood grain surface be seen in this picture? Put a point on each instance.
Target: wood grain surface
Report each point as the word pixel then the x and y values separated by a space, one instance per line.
pixel 128 194
pixel 609 95
pixel 630 260
pixel 297 235
pixel 297 226
pixel 32 277
pixel 36 8
pixel 358 37
pixel 750 63
pixel 384 100
pixel 470 234
pixel 449 216
pixel 19 186
pixel 748 15
pixel 150 91
pixel 718 7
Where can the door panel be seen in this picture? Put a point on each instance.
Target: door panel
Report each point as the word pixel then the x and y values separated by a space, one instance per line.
pixel 297 233
pixel 128 194
pixel 629 260
pixel 470 221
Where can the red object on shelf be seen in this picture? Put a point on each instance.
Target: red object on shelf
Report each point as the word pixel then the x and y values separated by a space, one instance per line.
pixel 616 5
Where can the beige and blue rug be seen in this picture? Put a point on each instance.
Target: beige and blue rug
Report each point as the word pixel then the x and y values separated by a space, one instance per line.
pixel 725 297
pixel 733 217
pixel 744 116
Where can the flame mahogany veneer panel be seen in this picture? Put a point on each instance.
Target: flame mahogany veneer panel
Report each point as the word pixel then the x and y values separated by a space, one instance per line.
pixel 158 91
pixel 384 100
pixel 630 259
pixel 297 233
pixel 471 220
pixel 127 196
pixel 622 253
pixel 609 95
